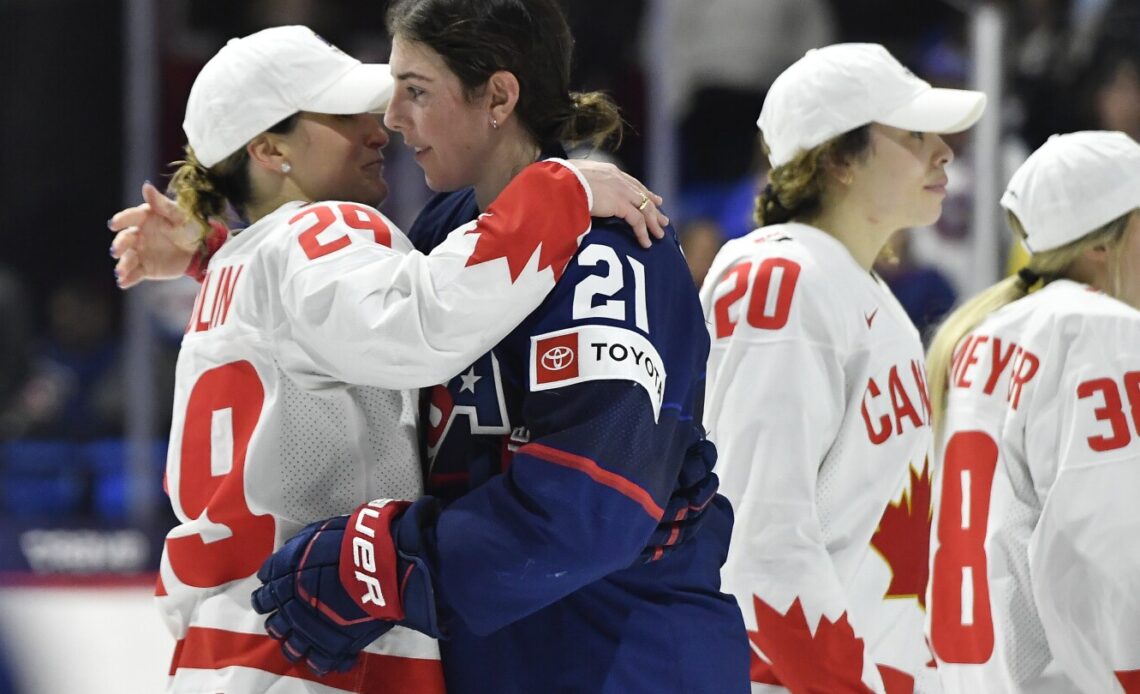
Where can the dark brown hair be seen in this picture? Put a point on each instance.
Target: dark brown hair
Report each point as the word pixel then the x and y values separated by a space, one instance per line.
pixel 528 38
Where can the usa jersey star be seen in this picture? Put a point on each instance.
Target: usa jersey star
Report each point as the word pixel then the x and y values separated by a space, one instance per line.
pixel 558 451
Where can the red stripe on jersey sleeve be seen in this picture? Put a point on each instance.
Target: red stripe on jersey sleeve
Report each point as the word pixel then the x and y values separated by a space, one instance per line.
pixel 213 649
pixel 596 473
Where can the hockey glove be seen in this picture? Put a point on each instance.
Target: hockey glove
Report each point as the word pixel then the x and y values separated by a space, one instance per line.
pixel 685 512
pixel 341 583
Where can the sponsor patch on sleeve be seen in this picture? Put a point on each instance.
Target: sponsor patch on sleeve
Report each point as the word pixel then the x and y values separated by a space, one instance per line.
pixel 596 353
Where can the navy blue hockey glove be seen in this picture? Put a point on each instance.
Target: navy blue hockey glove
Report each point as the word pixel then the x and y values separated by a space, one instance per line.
pixel 685 512
pixel 342 583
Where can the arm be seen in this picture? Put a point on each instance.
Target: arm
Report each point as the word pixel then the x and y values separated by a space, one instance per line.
pixel 155 241
pixel 774 407
pixel 361 312
pixel 1084 560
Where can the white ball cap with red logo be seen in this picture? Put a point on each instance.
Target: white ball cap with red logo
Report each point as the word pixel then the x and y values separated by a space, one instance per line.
pixel 835 89
pixel 1073 184
pixel 259 80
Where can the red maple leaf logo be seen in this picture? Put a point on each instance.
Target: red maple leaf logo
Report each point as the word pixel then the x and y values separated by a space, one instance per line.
pixel 903 538
pixel 830 660
pixel 1129 680
pixel 507 231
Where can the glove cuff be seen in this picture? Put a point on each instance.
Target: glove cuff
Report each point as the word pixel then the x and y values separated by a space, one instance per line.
pixel 368 564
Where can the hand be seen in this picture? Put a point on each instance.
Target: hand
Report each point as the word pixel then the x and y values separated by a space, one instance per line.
pixel 685 512
pixel 617 194
pixel 154 240
pixel 333 589
pixel 310 612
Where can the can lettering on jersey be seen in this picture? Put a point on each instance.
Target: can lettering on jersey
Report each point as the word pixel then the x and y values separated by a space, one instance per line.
pixel 904 401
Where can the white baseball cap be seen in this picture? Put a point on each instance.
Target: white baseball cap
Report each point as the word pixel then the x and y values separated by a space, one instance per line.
pixel 259 80
pixel 837 88
pixel 1073 184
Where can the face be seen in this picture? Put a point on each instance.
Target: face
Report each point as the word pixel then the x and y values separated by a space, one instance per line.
pixel 451 136
pixel 1129 266
pixel 1118 101
pixel 338 157
pixel 901 182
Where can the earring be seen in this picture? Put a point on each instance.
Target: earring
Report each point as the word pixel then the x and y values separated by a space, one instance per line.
pixel 285 167
pixel 494 124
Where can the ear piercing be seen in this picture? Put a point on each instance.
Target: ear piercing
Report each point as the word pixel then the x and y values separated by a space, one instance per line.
pixel 286 167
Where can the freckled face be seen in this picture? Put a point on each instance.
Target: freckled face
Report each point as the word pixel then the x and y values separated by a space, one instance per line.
pixel 1130 262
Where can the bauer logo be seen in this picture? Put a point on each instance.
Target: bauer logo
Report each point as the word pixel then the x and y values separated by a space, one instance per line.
pixel 557 358
pixel 597 353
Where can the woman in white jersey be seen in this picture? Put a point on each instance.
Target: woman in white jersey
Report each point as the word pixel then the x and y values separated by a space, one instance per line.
pixel 1035 579
pixel 816 397
pixel 310 320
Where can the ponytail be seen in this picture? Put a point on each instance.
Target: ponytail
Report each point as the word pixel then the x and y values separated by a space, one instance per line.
pixel 1043 267
pixel 593 118
pixel 196 192
pixel 203 193
pixel 956 326
pixel 795 189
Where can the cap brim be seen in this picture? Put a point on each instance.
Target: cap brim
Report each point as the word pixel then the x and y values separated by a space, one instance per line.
pixel 938 111
pixel 366 88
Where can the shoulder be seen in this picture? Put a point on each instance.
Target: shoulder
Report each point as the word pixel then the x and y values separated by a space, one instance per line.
pixel 818 260
pixel 1068 328
pixel 335 228
pixel 1073 313
pixel 611 263
pixel 786 281
pixel 442 213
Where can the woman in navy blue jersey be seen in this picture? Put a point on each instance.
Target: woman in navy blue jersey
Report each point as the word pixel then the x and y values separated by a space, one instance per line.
pixel 554 457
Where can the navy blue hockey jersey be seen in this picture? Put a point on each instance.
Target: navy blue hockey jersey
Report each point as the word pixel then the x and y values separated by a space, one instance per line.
pixel 557 452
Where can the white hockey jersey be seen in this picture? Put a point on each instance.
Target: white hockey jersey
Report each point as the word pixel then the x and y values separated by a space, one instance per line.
pixel 816 399
pixel 291 403
pixel 1035 578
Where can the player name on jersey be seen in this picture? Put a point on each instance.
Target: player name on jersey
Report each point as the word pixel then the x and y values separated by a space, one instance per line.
pixel 212 307
pixel 970 367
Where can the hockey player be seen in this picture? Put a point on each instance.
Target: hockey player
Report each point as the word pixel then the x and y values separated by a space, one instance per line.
pixel 308 322
pixel 1035 574
pixel 816 397
pixel 553 456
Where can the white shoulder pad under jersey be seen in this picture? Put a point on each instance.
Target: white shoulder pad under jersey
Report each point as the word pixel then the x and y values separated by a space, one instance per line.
pixel 1035 582
pixel 816 399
